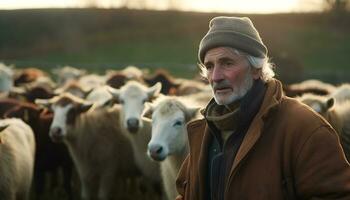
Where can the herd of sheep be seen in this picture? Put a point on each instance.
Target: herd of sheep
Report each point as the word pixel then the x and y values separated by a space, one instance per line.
pixel 116 135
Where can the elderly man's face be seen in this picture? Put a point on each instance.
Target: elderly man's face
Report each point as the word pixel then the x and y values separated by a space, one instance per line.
pixel 229 74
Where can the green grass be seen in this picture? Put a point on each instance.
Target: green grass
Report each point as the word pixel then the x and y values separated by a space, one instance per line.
pixel 98 39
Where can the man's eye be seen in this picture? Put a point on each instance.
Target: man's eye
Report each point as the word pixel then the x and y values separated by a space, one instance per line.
pixel 229 63
pixel 209 67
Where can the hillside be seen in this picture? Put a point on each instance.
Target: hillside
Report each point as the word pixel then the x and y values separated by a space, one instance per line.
pixel 301 45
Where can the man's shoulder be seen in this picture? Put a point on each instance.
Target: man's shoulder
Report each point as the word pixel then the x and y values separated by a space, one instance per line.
pixel 297 114
pixel 294 107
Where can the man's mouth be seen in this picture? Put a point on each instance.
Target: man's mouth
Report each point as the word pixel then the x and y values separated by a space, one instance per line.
pixel 223 90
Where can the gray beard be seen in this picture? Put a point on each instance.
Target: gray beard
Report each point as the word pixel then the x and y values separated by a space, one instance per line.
pixel 238 92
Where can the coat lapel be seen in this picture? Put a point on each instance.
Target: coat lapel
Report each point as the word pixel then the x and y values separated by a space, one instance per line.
pixel 199 139
pixel 272 97
pixel 203 162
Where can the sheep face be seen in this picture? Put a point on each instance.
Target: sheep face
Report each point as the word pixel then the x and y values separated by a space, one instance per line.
pixel 169 133
pixel 132 97
pixel 66 109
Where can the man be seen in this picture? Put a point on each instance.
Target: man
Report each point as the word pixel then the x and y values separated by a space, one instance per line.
pixel 254 143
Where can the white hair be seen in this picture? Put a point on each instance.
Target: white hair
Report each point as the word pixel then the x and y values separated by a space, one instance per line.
pixel 264 64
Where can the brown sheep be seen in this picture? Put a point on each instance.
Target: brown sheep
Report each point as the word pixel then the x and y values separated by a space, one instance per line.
pixel 169 83
pixel 28 75
pixel 102 155
pixel 50 158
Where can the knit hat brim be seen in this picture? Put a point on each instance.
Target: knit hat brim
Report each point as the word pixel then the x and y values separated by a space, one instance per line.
pixel 231 39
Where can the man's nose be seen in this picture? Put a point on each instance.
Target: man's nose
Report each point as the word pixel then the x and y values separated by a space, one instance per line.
pixel 217 74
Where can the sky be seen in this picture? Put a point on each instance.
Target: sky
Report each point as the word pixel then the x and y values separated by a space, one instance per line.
pixel 241 6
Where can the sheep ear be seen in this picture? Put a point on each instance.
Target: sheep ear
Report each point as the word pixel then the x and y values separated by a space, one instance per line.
pixel 330 103
pixel 43 102
pixel 18 93
pixel 84 107
pixel 109 103
pixel 147 113
pixel 58 91
pixel 154 90
pixel 18 90
pixel 86 89
pixel 192 112
pixel 87 92
pixel 114 92
pixel 3 127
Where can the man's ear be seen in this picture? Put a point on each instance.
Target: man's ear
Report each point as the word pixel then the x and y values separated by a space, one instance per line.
pixel 256 73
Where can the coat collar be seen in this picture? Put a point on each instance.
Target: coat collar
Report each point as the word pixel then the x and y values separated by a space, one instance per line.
pixel 200 133
pixel 272 98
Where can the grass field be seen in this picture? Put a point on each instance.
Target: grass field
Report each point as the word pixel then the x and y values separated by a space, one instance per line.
pixel 301 45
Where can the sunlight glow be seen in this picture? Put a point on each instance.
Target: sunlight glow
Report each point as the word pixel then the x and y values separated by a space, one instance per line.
pixel 227 6
pixel 19 4
pixel 252 6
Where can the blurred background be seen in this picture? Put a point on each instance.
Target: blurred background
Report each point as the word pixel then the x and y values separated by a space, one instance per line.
pixel 305 38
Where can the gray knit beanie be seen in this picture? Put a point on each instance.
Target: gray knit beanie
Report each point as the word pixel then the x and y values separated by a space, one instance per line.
pixel 236 32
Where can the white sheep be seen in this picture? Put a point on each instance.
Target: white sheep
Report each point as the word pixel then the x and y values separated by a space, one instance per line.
pixel 169 142
pixel 6 78
pixel 17 148
pixel 67 73
pixel 132 97
pixel 341 93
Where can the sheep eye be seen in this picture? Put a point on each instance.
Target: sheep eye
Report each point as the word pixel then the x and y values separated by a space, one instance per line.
pixel 178 123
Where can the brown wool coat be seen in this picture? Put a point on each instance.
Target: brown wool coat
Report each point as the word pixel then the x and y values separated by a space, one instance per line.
pixel 289 152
